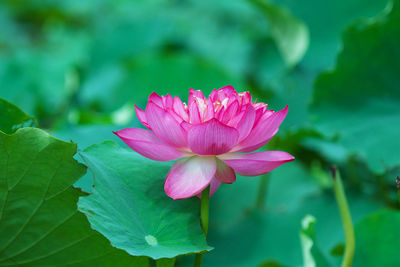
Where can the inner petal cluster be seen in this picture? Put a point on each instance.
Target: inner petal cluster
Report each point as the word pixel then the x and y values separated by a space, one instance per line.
pixel 205 126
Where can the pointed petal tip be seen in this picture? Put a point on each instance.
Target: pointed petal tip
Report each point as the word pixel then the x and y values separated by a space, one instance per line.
pixel 227 86
pixel 257 163
pixel 285 156
pixel 153 94
pixel 286 108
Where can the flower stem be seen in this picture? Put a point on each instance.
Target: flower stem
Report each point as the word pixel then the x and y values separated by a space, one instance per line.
pixel 152 262
pixel 262 191
pixel 346 218
pixel 204 211
pixel 398 188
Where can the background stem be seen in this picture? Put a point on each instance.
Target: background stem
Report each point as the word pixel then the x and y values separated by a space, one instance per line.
pixel 346 218
pixel 262 191
pixel 204 212
pixel 152 262
pixel 398 189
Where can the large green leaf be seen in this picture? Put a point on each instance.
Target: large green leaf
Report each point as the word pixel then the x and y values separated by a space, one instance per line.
pixel 377 240
pixel 39 221
pixel 12 117
pixel 358 102
pixel 129 205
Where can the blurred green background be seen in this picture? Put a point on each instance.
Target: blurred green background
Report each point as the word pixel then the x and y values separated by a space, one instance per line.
pixel 79 66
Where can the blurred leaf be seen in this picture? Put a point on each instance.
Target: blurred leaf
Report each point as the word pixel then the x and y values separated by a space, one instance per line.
pixel 12 118
pixel 245 237
pixel 172 73
pixel 338 250
pixel 359 100
pixel 333 152
pixel 321 175
pixel 325 21
pixel 312 256
pixel 377 240
pixel 39 222
pixel 84 136
pixel 237 228
pixel 43 78
pixel 290 34
pixel 271 264
pixel 129 205
pixel 165 262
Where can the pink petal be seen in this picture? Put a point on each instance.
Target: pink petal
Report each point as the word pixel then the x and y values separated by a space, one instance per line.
pixel 165 126
pixel 156 99
pixel 212 138
pixel 222 93
pixel 262 132
pixel 193 94
pixel 214 185
pixel 261 114
pixel 174 115
pixel 185 125
pixel 194 114
pixel 256 163
pixel 236 119
pixel 245 98
pixel 189 176
pixel 179 109
pixel 210 110
pixel 224 173
pixel 246 123
pixel 168 101
pixel 142 117
pixel 230 112
pixel 227 91
pixel 147 144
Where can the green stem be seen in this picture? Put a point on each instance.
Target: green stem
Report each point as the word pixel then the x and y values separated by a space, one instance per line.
pixel 204 211
pixel 152 262
pixel 398 188
pixel 198 259
pixel 346 218
pixel 262 192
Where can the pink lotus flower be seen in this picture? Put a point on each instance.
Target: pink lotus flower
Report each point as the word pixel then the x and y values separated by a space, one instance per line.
pixel 208 135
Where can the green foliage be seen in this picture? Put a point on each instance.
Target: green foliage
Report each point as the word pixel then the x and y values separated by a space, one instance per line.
pixel 358 101
pixel 271 264
pixel 273 233
pixel 149 74
pixel 377 239
pixel 13 118
pixel 79 67
pixel 130 207
pixel 290 34
pixel 39 221
pixel 312 256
